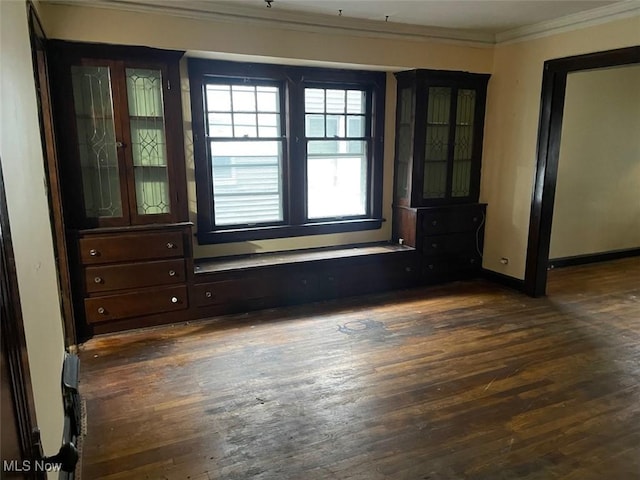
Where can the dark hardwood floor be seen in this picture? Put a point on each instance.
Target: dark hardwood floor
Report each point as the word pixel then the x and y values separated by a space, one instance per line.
pixel 464 381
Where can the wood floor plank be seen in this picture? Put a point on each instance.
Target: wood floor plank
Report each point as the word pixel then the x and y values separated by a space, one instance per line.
pixel 465 381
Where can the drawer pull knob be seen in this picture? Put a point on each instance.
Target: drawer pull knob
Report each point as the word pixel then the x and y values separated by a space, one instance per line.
pixel 473 260
pixel 407 269
pixel 171 245
pixel 93 252
pixel 101 310
pixel 434 223
pixel 97 280
pixel 475 219
pixel 172 273
pixel 174 299
pixel 430 267
pixel 434 245
pixel 208 294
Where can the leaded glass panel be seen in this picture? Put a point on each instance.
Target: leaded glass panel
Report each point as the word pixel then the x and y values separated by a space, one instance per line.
pixel 405 128
pixel 437 142
pixel 463 147
pixel 95 127
pixel 148 143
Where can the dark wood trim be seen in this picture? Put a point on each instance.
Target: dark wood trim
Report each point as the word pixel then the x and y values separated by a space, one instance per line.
pixel 292 80
pixel 117 52
pixel 554 81
pixel 285 231
pixel 45 115
pixel 593 258
pixel 503 279
pixel 14 345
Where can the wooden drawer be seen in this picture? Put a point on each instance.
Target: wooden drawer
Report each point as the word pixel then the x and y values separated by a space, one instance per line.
pixel 133 275
pixel 232 292
pixel 140 303
pixel 451 264
pixel 130 247
pixel 450 243
pixel 440 221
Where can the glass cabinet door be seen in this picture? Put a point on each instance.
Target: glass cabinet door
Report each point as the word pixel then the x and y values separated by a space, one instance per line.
pixel 148 143
pixel 463 143
pixel 97 144
pixel 404 151
pixel 436 151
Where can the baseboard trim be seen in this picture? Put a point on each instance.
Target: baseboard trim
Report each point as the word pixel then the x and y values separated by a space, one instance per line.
pixel 503 279
pixel 593 258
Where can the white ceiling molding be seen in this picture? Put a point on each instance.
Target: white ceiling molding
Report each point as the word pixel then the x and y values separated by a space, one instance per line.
pixel 616 11
pixel 274 18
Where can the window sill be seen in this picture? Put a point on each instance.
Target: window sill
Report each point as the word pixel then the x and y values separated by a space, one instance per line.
pixel 285 231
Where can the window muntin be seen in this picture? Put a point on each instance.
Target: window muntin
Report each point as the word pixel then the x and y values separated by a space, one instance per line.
pixel 246 148
pixel 337 156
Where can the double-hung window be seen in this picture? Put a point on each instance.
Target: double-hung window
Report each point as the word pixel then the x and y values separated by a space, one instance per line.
pixel 285 151
pixel 245 141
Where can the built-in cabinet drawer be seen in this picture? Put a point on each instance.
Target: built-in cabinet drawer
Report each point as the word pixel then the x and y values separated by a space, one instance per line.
pixel 230 292
pixel 450 264
pixel 138 303
pixel 136 274
pixel 450 243
pixel 435 221
pixel 130 247
pixel 106 278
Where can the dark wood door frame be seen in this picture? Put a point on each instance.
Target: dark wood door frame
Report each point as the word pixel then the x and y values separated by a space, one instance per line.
pixel 554 83
pixel 45 116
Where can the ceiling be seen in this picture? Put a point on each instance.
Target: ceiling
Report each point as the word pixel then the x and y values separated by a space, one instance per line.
pixel 488 16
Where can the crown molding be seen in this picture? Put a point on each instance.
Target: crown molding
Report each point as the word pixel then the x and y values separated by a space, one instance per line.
pixel 274 18
pixel 567 23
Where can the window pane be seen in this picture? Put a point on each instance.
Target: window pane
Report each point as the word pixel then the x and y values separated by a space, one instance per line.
pixel 244 98
pixel 336 101
pixel 355 126
pixel 247 182
pixel 314 100
pixel 314 125
pixel 244 125
pixel 335 125
pixel 220 125
pixel 268 99
pixel 218 98
pixel 336 179
pixel 268 125
pixel 355 101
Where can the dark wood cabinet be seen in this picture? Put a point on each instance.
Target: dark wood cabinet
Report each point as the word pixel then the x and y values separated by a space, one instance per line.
pixel 133 274
pixel 439 132
pixel 119 133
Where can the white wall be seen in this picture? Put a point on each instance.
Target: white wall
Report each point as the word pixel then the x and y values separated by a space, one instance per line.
pixel 257 42
pixel 597 205
pixel 511 132
pixel 24 178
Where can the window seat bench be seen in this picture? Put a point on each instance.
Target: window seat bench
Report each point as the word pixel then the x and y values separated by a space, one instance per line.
pixel 243 283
